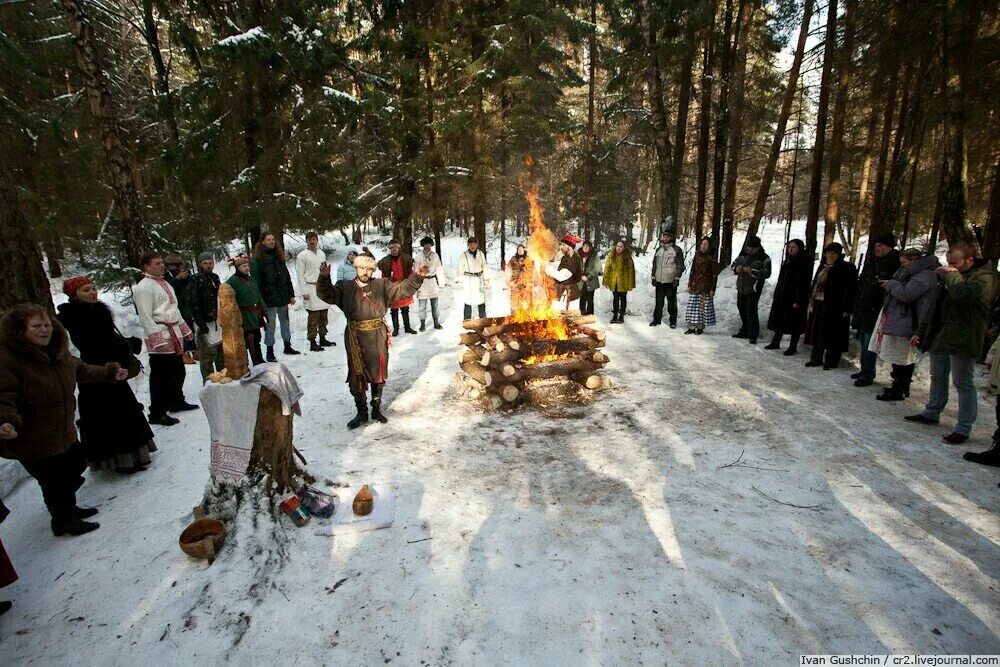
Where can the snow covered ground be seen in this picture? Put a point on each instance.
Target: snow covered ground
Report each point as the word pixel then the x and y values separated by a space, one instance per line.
pixel 611 532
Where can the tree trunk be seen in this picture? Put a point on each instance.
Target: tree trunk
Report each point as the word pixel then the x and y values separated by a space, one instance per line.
pixel 658 118
pixel 683 104
pixel 844 65
pixel 135 237
pixel 816 183
pixel 722 122
pixel 737 94
pixel 913 183
pixel 588 183
pixel 18 248
pixel 705 122
pixel 956 50
pixel 863 206
pixel 779 133
pixel 164 97
pixel 991 235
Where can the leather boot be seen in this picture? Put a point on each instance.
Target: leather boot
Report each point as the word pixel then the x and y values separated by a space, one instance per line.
pixel 991 457
pixel 362 416
pixel 72 526
pixel 406 322
pixel 326 343
pixel 395 321
pixel 437 325
pixel 775 343
pixel 793 346
pixel 315 347
pixel 289 350
pixel 270 354
pixel 377 404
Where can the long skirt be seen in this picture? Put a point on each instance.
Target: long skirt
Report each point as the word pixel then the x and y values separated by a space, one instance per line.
pixel 700 311
pixel 113 427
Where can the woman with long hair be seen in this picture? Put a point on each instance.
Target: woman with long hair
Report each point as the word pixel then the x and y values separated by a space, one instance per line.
pixel 701 288
pixel 619 277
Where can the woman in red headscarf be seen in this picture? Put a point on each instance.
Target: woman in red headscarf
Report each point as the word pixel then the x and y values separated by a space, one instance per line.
pixel 113 427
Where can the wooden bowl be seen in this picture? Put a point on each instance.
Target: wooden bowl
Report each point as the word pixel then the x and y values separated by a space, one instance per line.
pixel 203 538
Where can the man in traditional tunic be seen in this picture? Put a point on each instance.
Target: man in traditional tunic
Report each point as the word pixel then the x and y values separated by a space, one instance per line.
pixel 307 265
pixel 364 302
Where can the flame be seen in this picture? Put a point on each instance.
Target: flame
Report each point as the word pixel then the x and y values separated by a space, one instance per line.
pixel 533 293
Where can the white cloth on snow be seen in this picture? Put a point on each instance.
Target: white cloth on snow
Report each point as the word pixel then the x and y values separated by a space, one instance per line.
pixel 345 521
pixel 276 378
pixel 231 410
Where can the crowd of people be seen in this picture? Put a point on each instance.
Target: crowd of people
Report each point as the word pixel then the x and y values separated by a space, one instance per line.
pixel 902 304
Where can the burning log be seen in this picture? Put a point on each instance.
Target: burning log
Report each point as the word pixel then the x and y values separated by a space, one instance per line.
pixel 552 369
pixel 596 334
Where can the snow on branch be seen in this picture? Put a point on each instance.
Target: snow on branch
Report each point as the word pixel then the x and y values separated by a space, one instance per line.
pixel 340 95
pixel 252 35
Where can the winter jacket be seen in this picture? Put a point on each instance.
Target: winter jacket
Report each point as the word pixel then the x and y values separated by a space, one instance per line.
pixel 180 286
pixel 792 289
pixel 870 294
pixel 385 265
pixel 592 270
pixel 668 264
pixel 956 321
pixel 346 271
pixel 830 324
pixel 908 296
pixel 619 272
pixel 704 273
pixel 92 330
pixel 249 299
pixel 203 297
pixel 567 274
pixel 993 359
pixel 273 279
pixel 37 392
pixel 760 271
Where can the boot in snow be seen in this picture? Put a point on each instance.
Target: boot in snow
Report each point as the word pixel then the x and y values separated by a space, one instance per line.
pixel 793 346
pixel 437 325
pixel 423 326
pixel 270 354
pixel 315 347
pixel 406 322
pixel 326 343
pixel 377 404
pixel 991 457
pixel 362 416
pixel 775 343
pixel 289 350
pixel 72 526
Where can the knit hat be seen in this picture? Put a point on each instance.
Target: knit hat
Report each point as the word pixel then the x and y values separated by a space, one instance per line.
pixel 364 262
pixel 834 247
pixel 887 239
pixel 571 241
pixel 205 256
pixel 239 261
pixel 752 242
pixel 71 285
pixel 426 240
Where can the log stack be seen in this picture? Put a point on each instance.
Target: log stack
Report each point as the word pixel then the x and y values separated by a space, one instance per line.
pixel 506 361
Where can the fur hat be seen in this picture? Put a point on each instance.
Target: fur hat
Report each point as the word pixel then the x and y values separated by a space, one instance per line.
pixel 239 261
pixel 71 285
pixel 834 247
pixel 364 262
pixel 205 256
pixel 887 239
pixel 752 242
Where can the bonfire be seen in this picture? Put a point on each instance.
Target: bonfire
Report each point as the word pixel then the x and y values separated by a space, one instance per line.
pixel 541 353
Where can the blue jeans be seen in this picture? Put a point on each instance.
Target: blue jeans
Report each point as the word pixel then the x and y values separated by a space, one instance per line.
pixel 423 309
pixel 280 314
pixel 868 357
pixel 961 368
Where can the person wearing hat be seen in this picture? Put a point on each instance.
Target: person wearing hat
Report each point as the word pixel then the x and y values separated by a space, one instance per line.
pixel 166 332
pixel 251 303
pixel 203 298
pixel 397 267
pixel 752 269
pixel 566 269
pixel 180 278
pixel 430 289
pixel 113 429
pixel 668 267
pixel 472 268
pixel 364 302
pixel 346 270
pixel 831 302
pixel 880 267
pixel 307 264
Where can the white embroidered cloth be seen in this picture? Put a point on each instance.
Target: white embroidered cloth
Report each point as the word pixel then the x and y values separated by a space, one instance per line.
pixel 232 417
pixel 345 521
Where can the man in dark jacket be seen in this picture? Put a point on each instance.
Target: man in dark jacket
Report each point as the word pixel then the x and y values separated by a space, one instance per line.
pixel 668 267
pixel 882 266
pixel 203 300
pixel 180 278
pixel 953 332
pixel 397 267
pixel 752 269
pixel 270 271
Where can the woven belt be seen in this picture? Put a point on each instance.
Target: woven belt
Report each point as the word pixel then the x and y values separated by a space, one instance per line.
pixel 366 325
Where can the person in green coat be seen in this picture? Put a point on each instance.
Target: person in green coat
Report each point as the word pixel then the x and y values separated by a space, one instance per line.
pixel 251 304
pixel 954 333
pixel 591 281
pixel 619 277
